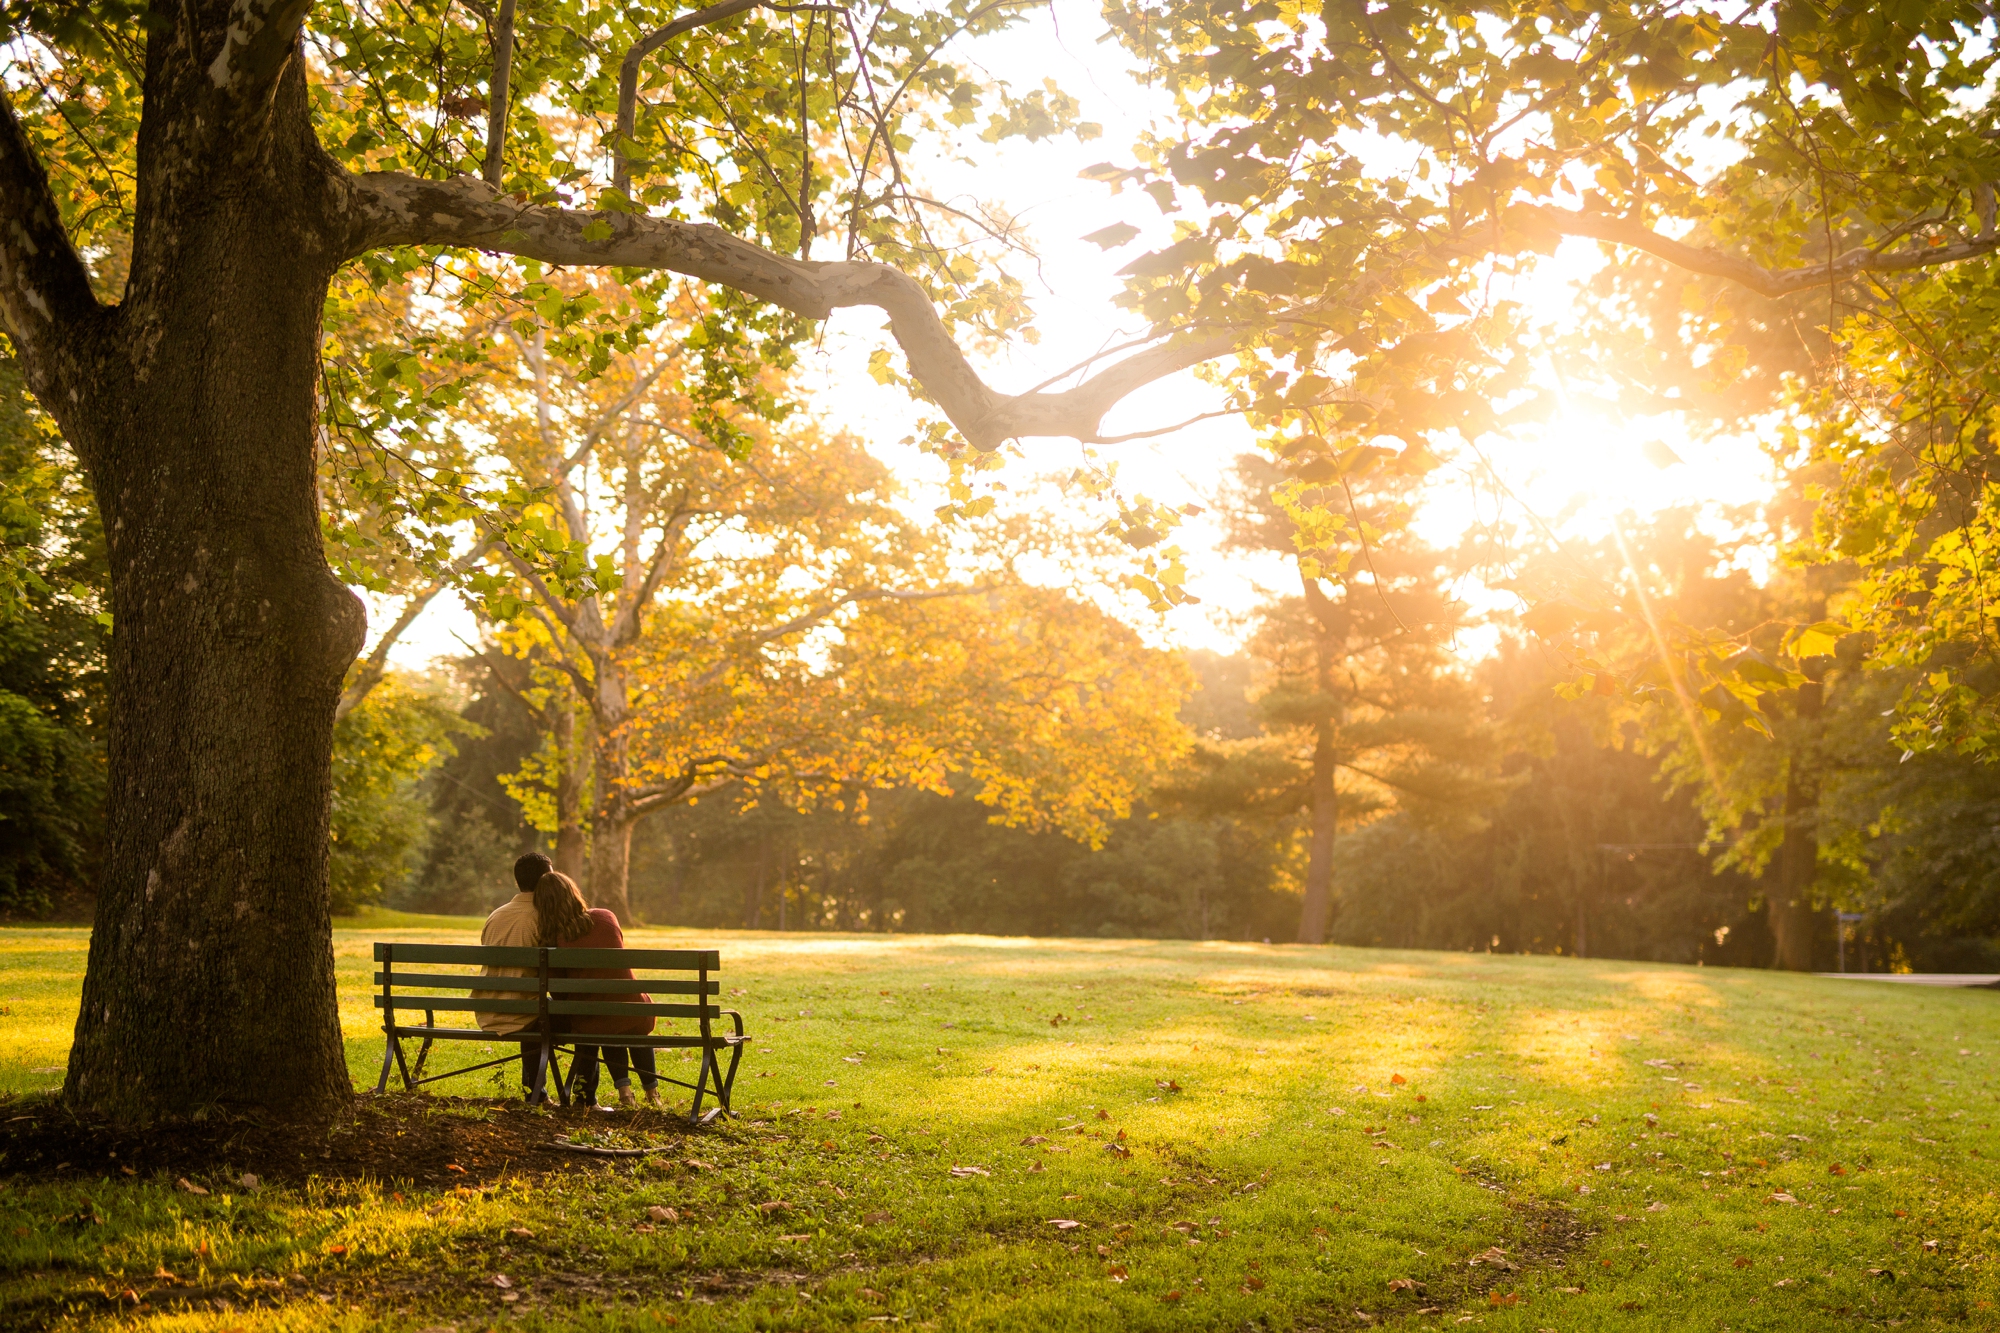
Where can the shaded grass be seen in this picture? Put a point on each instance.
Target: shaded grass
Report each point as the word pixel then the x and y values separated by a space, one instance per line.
pixel 1286 1185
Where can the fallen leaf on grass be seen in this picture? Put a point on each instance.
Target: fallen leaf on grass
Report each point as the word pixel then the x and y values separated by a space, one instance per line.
pixel 1782 1282
pixel 1064 1223
pixel 454 1166
pixel 1032 1140
pixel 519 1233
pixel 643 1228
pixel 659 1214
pixel 163 1275
pixel 1495 1299
pixel 1117 1150
pixel 803 1235
pixel 1781 1197
pixel 1036 1168
pixel 1744 1261
pixel 961 1172
pixel 1116 1273
pixel 693 1165
pixel 502 1281
pixel 774 1206
pixel 1889 1273
pixel 1493 1255
pixel 1173 1295
pixel 1656 1207
pixel 870 1294
pixel 336 1249
pixel 248 1181
pixel 1405 1284
pixel 1931 1245
pixel 1836 1170
pixel 1398 1079
pixel 190 1187
pixel 877 1219
pixel 1166 1085
pixel 1104 1115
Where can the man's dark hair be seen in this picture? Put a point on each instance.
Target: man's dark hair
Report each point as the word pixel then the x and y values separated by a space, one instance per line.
pixel 529 870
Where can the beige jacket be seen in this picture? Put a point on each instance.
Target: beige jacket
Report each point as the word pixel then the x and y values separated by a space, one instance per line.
pixel 512 925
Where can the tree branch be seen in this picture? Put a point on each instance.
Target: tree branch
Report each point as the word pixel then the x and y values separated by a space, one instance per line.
pixel 497 91
pixel 376 664
pixel 256 44
pixel 391 209
pixel 44 287
pixel 1764 281
pixel 628 78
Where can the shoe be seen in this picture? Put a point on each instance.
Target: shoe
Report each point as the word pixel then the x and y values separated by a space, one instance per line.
pixel 626 1099
pixel 653 1099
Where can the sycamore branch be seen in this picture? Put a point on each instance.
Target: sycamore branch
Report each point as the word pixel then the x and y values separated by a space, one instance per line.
pixel 393 209
pixel 1764 281
pixel 376 664
pixel 44 287
pixel 628 77
pixel 498 93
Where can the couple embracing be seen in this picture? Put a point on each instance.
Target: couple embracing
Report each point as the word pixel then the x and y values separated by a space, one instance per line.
pixel 549 912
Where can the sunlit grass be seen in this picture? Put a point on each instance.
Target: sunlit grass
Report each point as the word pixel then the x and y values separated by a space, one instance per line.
pixel 1520 1121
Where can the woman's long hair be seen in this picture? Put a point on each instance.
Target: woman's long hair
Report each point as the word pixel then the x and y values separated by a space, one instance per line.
pixel 561 914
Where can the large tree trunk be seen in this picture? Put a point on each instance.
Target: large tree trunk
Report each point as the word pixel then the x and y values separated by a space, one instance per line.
pixel 1318 908
pixel 192 405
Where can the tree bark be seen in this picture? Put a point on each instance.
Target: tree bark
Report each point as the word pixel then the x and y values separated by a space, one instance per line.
pixel 192 407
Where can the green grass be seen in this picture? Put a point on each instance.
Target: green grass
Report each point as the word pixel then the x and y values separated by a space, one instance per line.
pixel 1615 1127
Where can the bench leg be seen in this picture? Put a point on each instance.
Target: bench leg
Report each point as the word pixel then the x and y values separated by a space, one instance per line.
pixel 396 1045
pixel 729 1080
pixel 701 1086
pixel 388 1057
pixel 423 1054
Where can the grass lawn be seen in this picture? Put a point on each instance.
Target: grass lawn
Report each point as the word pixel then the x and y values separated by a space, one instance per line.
pixel 1359 1138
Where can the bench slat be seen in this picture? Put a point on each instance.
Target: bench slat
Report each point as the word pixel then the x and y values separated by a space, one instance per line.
pixel 595 986
pixel 566 1008
pixel 664 960
pixel 662 1040
pixel 483 955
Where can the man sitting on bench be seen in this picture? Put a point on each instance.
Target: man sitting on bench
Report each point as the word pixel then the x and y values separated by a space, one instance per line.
pixel 514 924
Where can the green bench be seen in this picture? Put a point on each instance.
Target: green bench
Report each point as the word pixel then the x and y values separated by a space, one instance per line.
pixel 551 997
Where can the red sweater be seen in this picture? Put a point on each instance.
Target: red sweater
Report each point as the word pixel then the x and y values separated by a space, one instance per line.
pixel 604 934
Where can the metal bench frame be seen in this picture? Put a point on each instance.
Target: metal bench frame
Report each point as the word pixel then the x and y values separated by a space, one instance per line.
pixel 535 997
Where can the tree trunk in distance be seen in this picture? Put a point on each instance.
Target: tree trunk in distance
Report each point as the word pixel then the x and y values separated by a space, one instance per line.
pixel 1318 908
pixel 753 901
pixel 1792 915
pixel 611 863
pixel 210 975
pixel 569 795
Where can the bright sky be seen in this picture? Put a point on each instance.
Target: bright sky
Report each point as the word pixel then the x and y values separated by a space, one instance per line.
pixel 1578 473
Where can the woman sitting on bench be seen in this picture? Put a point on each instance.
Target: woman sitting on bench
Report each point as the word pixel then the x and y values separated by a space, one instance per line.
pixel 567 922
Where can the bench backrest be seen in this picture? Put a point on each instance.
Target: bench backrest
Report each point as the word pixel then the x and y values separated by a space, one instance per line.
pixel 402 969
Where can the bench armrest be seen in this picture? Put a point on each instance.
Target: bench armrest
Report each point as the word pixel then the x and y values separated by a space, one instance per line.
pixel 733 1017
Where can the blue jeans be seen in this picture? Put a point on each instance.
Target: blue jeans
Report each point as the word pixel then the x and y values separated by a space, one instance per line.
pixel 583 1070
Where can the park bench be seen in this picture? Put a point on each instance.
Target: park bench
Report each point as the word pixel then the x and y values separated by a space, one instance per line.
pixel 551 997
